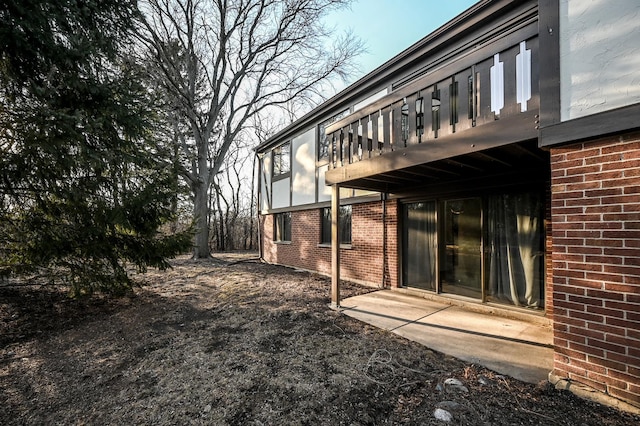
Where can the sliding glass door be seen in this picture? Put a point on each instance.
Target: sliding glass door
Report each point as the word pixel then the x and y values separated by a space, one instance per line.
pixel 488 248
pixel 461 264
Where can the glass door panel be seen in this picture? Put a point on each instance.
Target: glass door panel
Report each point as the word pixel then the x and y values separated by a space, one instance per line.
pixel 461 266
pixel 420 245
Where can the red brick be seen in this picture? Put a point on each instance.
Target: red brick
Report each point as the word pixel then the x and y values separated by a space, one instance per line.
pixel 582 202
pixel 620 199
pixel 622 306
pixel 586 300
pixel 606 328
pixel 599 159
pixel 609 347
pixel 622 358
pixel 560 289
pixel 625 395
pixel 603 242
pixel 619 147
pixel 569 320
pixel 624 288
pixel 604 379
pixel 590 283
pixel 608 192
pixel 591 383
pixel 623 252
pixel 578 155
pixel 582 170
pixel 603 260
pixel 606 225
pixel 571 337
pixel 587 316
pixel 622 341
pixel 598 277
pixel 605 294
pixel 604 311
pixel 634 334
pixel 582 333
pixel 620 217
pixel 569 305
pixel 622 323
pixel 632 189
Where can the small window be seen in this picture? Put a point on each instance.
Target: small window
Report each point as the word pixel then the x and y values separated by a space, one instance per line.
pixel 282 159
pixel 345 225
pixel 282 225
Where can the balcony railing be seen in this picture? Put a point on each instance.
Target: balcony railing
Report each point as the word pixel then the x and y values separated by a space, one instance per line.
pixel 467 93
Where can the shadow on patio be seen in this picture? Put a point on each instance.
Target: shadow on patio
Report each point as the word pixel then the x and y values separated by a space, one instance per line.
pixel 521 348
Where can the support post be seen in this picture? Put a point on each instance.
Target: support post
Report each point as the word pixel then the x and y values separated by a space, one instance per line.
pixel 335 246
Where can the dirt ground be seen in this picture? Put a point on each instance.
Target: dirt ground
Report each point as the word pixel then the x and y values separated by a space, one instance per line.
pixel 220 343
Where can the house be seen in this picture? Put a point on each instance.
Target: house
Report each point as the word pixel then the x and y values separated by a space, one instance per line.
pixel 495 161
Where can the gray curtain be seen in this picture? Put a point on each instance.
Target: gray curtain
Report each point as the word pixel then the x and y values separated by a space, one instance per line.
pixel 516 254
pixel 421 245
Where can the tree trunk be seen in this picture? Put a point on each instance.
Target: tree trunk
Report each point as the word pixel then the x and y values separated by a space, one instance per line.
pixel 201 248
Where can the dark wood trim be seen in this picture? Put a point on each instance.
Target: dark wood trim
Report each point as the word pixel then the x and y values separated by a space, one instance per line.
pixel 531 178
pixel 549 66
pixel 508 130
pixel 592 126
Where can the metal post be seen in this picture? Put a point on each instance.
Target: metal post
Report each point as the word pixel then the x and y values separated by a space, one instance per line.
pixel 335 246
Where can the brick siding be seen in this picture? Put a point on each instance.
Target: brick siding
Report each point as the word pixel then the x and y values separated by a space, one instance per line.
pixel 596 264
pixel 361 262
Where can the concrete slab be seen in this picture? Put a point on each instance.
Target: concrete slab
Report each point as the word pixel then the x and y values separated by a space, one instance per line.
pixel 514 347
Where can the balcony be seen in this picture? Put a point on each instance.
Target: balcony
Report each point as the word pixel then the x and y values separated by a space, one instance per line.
pixel 471 117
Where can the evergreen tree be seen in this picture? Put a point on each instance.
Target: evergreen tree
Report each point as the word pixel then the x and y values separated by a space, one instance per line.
pixel 84 188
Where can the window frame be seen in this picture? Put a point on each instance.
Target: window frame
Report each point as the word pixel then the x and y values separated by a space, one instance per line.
pixel 322 154
pixel 282 225
pixel 277 155
pixel 345 219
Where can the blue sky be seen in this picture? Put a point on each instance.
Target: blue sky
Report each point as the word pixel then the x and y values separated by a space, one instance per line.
pixel 389 26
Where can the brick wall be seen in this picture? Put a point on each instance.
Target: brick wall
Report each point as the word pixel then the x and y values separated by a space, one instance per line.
pixel 361 262
pixel 596 264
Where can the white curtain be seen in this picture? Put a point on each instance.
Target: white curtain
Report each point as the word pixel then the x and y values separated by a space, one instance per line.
pixel 516 249
pixel 421 240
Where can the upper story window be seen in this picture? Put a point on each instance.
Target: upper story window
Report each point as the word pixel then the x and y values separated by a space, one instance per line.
pixel 323 140
pixel 282 159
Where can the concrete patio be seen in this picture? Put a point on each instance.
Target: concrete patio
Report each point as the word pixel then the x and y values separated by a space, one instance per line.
pixel 519 346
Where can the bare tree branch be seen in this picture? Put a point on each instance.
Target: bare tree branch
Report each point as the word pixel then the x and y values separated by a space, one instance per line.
pixel 226 63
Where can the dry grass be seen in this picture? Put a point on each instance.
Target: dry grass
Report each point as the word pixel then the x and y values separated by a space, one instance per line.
pixel 248 343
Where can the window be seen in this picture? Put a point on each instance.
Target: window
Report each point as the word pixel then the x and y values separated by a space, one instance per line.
pixel 282 225
pixel 345 225
pixel 323 140
pixel 282 159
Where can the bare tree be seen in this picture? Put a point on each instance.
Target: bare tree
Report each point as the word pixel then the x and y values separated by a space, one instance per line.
pixel 226 62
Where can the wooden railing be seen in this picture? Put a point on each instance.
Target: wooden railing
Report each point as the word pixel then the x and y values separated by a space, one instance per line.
pixel 441 103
